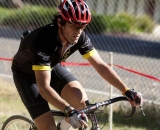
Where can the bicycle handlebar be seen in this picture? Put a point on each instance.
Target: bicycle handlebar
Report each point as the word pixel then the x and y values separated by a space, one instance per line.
pixel 94 107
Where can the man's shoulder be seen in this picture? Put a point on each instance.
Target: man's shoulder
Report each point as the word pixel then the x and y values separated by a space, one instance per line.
pixel 46 29
pixel 84 37
pixel 42 37
pixel 45 32
pixel 83 34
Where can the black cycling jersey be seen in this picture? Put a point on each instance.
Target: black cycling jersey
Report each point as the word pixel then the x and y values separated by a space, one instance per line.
pixel 41 50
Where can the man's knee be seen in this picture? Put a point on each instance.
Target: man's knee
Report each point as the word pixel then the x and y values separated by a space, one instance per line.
pixel 74 94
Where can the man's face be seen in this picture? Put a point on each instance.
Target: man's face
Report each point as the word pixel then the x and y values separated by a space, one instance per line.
pixel 72 32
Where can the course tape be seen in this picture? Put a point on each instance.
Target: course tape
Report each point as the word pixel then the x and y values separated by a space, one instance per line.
pixel 75 64
pixel 7 59
pixel 139 73
pixel 88 64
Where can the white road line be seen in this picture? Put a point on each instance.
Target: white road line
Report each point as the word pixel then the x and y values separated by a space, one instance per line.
pixel 6 76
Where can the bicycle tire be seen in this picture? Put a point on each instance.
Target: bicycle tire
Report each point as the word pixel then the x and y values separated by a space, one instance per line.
pixel 18 122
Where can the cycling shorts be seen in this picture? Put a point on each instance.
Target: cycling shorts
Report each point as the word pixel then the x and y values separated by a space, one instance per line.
pixel 28 90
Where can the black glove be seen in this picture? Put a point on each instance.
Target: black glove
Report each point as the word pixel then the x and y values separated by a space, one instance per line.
pixel 134 96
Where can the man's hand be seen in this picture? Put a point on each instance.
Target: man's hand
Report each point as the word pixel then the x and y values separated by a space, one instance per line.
pixel 135 97
pixel 77 119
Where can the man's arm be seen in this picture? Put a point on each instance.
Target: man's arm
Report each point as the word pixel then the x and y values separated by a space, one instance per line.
pixel 43 81
pixel 107 72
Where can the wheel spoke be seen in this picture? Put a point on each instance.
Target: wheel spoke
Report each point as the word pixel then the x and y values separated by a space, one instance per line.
pixel 15 126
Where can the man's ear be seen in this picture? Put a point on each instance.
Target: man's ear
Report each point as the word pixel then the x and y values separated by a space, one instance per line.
pixel 59 22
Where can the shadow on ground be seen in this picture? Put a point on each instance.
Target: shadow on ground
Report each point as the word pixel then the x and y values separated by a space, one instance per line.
pixel 126 45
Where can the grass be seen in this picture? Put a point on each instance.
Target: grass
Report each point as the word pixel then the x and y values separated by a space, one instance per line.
pixel 11 104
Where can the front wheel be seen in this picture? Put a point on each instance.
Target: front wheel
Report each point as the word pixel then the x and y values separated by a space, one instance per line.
pixel 18 122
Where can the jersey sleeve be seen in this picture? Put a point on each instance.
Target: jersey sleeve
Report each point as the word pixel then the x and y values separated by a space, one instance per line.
pixel 86 48
pixel 41 55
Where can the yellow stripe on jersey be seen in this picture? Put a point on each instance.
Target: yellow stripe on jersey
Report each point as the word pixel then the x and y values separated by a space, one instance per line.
pixel 39 67
pixel 90 53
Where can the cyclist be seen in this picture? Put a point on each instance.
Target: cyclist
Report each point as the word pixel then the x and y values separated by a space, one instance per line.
pixel 41 79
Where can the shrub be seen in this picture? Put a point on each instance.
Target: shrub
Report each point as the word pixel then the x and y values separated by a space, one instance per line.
pixel 98 24
pixel 144 24
pixel 36 16
pixel 126 16
pixel 4 12
pixel 28 16
pixel 121 22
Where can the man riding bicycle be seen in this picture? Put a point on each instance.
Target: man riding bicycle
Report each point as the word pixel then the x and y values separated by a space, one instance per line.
pixel 40 78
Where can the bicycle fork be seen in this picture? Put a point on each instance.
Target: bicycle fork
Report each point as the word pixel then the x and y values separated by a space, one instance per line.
pixel 94 121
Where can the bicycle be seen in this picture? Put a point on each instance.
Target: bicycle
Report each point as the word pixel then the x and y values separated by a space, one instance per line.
pixel 90 111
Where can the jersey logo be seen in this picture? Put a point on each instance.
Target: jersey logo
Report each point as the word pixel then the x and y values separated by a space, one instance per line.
pixel 86 44
pixel 43 55
pixel 66 55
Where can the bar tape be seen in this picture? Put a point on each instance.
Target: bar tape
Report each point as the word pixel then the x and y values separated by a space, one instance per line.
pixel 88 64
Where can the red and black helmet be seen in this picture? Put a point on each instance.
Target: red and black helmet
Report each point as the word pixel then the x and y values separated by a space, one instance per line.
pixel 75 11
